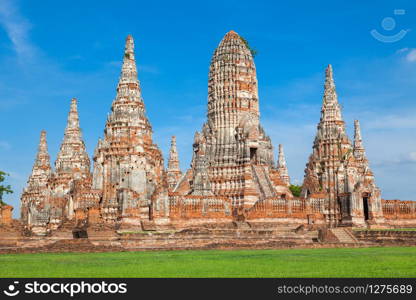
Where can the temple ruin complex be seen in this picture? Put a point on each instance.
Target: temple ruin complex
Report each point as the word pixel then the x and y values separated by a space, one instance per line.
pixel 233 180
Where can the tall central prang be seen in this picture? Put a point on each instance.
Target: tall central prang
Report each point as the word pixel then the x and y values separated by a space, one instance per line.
pixel 233 156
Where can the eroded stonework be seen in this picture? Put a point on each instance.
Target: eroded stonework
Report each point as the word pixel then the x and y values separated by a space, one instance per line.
pixel 338 178
pixel 233 156
pixel 128 166
pixel 35 206
pixel 174 172
pixel 72 163
pixel 233 180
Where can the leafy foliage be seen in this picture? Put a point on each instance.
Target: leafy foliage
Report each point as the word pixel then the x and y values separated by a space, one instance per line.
pixel 252 50
pixel 4 189
pixel 295 189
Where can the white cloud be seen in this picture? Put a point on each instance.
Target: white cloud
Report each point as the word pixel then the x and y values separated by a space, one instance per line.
pixel 404 121
pixel 402 50
pixel 411 56
pixel 17 29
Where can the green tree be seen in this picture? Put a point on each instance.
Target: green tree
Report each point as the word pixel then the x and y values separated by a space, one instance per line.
pixel 295 189
pixel 4 189
pixel 252 50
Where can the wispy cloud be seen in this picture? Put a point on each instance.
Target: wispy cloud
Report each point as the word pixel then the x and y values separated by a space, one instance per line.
pixel 17 29
pixel 406 120
pixel 411 56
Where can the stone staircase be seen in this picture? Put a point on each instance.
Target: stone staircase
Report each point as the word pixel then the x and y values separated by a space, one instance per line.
pixel 344 236
pixel 262 181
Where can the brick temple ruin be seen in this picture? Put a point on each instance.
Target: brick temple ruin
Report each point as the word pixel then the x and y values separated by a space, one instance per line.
pixel 233 182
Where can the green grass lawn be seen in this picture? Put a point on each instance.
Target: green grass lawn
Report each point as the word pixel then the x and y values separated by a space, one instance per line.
pixel 342 262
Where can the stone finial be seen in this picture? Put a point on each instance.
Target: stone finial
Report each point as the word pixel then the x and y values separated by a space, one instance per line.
pixel 42 157
pixel 73 119
pixel 357 134
pixel 328 72
pixel 129 48
pixel 173 172
pixel 281 166
pixel 129 85
pixel 359 151
pixel 331 109
pixel 330 95
pixel 173 163
pixel 281 161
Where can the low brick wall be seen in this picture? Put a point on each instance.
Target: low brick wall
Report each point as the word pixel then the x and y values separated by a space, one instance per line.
pixel 203 238
pixel 386 237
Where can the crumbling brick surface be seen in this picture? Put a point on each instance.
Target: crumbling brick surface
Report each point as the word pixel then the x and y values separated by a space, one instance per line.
pixel 233 179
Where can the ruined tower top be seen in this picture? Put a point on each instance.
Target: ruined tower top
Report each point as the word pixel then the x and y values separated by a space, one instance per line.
pixel 42 158
pixel 128 88
pixel 73 119
pixel 128 106
pixel 331 109
pixel 232 84
pixel 42 168
pixel 72 157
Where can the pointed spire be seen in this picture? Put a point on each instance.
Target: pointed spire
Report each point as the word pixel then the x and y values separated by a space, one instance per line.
pixel 72 156
pixel 359 151
pixel 37 191
pixel 331 109
pixel 281 166
pixel 357 134
pixel 173 172
pixel 42 167
pixel 128 70
pixel 173 163
pixel 73 119
pixel 42 157
pixel 330 94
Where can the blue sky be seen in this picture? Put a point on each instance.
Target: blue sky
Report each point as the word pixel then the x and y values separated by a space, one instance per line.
pixel 51 51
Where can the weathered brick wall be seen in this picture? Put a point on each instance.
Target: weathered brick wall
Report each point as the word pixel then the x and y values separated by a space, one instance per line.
pixel 280 208
pixel 6 215
pixel 389 237
pixel 397 209
pixel 199 207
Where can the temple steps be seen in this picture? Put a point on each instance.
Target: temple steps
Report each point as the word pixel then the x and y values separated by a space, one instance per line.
pixel 263 184
pixel 344 236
